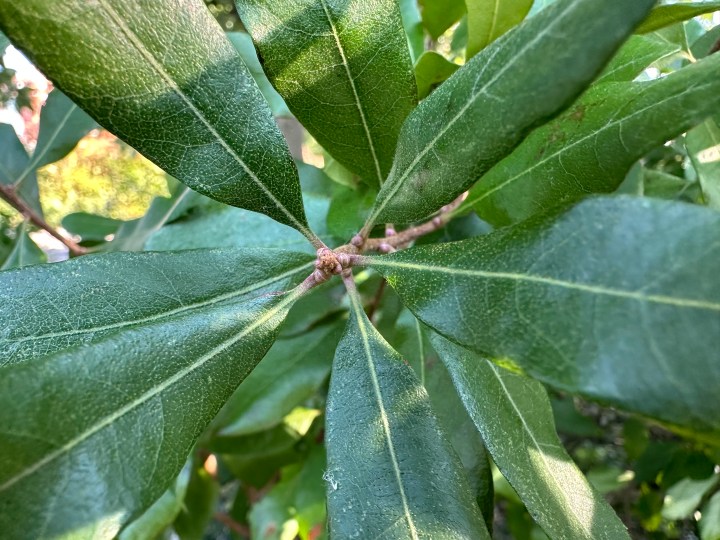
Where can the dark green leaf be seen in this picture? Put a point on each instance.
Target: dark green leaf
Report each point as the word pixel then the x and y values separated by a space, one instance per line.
pixel 490 19
pixel 591 147
pixel 198 506
pixel 391 472
pixel 432 69
pixel 90 227
pixel 514 416
pixel 244 45
pixel 663 16
pixel 439 15
pixel 486 108
pixel 344 70
pixel 295 507
pixel 24 252
pixel 161 514
pixel 570 299
pixel 165 79
pixel 14 162
pixel 410 339
pixel 413 27
pixel 48 308
pixel 636 55
pixel 93 435
pixel 264 399
pixel 348 210
pixel 703 145
pixel 62 125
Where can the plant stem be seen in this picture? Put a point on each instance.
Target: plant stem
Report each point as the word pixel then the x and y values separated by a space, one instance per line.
pixel 372 308
pixel 9 194
pixel 231 524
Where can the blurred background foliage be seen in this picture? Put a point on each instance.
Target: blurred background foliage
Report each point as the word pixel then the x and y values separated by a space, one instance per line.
pixel 261 475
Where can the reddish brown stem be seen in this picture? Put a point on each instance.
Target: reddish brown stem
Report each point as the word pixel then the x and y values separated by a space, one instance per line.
pixel 376 300
pixel 8 194
pixel 233 525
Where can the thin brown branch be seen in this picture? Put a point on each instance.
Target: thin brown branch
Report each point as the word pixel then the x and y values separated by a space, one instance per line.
pixel 715 48
pixel 8 194
pixel 372 308
pixel 231 524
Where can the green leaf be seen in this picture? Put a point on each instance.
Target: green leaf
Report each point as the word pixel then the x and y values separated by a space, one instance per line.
pixel 703 145
pixel 62 125
pixel 569 299
pixel 439 15
pixel 432 69
pixel 514 416
pixel 710 520
pixel 24 252
pixel 161 514
pixel 90 227
pixel 4 43
pixel 166 80
pixel 636 55
pixel 48 308
pixel 662 16
pixel 492 102
pixel 591 147
pixel 295 506
pixel 348 210
pixel 344 70
pixel 412 23
pixel 264 399
pixel 244 45
pixel 93 435
pixel 683 498
pixel 14 161
pixel 490 19
pixel 198 506
pixel 410 339
pixel 391 472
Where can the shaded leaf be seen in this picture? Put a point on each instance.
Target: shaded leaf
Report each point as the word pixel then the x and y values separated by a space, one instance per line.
pixel 432 69
pixel 290 373
pixel 490 19
pixel 514 416
pixel 662 16
pixel 90 227
pixel 93 435
pixel 591 147
pixel 62 125
pixel 439 15
pixel 344 70
pixel 48 308
pixel 244 45
pixel 394 475
pixel 24 252
pixel 703 145
pixel 198 506
pixel 636 55
pixel 295 506
pixel 162 513
pixel 569 299
pixel 683 498
pixel 496 98
pixel 710 520
pixel 158 71
pixel 14 161
pixel 412 23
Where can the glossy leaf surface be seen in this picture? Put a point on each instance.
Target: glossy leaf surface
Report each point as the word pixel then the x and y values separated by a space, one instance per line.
pixel 48 308
pixel 514 416
pixel 153 73
pixel 492 102
pixel 666 15
pixel 344 70
pixel 570 299
pixel 79 426
pixel 490 19
pixel 591 147
pixel 394 475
